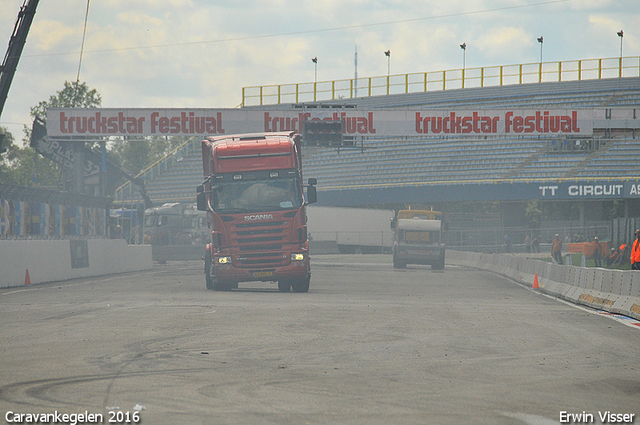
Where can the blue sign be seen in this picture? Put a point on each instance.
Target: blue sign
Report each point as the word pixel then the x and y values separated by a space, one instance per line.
pixel 479 192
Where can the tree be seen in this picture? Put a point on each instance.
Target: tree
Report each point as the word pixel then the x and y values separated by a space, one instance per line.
pixel 73 95
pixel 21 165
pixel 6 174
pixel 533 213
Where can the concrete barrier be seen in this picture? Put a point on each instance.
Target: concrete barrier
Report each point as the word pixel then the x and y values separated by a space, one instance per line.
pixel 164 253
pixel 54 260
pixel 614 291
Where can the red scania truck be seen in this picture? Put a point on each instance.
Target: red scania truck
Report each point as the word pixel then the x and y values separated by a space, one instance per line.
pixel 253 195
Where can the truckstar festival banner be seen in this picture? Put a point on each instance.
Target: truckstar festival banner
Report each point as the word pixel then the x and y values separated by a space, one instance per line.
pixel 399 122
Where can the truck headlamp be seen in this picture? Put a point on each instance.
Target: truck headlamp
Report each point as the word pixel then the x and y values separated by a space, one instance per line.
pixel 224 260
pixel 297 257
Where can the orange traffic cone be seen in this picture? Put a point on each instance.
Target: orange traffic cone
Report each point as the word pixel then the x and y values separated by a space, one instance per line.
pixel 27 279
pixel 535 281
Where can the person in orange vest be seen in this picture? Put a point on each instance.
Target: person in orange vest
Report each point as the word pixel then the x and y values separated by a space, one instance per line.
pixel 556 249
pixel 635 252
pixel 622 251
pixel 613 258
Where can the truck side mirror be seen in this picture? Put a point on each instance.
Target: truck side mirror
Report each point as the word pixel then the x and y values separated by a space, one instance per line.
pixel 312 195
pixel 201 200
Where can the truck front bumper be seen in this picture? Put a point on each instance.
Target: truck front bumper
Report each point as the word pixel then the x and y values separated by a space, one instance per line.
pixel 424 256
pixel 230 273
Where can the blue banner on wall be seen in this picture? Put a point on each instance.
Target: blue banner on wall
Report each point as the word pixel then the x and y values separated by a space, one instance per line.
pixel 504 191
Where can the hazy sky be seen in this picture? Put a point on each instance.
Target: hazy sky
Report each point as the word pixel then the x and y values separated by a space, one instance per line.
pixel 197 53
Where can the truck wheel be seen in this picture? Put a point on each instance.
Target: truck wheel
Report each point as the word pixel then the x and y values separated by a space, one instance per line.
pixel 439 265
pixel 398 264
pixel 207 269
pixel 284 285
pixel 301 285
pixel 217 286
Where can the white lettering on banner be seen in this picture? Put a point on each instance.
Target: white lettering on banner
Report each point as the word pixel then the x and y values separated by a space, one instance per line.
pixel 67 122
pixel 552 189
pixel 596 190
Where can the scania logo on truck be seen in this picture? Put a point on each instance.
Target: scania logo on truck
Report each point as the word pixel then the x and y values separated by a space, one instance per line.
pixel 258 217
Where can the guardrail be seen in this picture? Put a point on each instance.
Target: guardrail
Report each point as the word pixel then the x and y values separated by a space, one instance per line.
pixel 584 69
pixel 609 290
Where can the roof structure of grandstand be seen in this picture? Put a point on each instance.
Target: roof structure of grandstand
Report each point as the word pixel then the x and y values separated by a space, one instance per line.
pixel 430 161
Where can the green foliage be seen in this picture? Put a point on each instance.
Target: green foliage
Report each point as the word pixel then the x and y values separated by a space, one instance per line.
pixel 21 165
pixel 533 213
pixel 73 95
pixel 6 158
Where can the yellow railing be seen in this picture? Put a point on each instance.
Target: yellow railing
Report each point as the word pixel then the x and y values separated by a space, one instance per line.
pixel 585 69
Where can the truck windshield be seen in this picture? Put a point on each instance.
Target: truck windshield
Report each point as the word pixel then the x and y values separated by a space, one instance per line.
pixel 150 221
pixel 260 194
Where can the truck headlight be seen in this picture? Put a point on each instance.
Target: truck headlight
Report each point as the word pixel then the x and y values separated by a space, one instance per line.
pixel 224 260
pixel 297 257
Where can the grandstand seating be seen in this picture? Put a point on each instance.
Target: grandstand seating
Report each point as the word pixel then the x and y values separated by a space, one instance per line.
pixel 430 160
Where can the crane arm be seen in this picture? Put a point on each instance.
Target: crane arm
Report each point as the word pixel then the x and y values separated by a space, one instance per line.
pixel 16 44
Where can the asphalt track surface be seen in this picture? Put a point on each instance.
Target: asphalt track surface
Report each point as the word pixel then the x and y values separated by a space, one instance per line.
pixel 367 345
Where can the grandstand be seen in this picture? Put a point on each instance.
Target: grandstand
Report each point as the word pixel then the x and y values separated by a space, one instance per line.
pixel 428 161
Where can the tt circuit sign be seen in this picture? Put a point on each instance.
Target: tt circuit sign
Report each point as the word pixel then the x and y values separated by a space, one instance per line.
pixel 501 191
pixel 595 190
pixel 391 122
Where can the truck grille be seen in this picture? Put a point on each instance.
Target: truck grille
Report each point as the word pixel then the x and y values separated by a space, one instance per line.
pixel 260 244
pixel 261 259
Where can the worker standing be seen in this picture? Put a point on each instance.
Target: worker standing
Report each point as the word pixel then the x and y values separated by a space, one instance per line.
pixel 556 249
pixel 635 252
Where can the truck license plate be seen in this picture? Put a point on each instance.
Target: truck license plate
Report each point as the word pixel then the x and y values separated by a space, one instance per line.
pixel 262 274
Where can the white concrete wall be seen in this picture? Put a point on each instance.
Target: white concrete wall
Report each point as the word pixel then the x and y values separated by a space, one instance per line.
pixel 50 260
pixel 609 290
pixel 350 226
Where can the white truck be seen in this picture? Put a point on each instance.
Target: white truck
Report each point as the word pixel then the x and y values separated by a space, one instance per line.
pixel 418 238
pixel 351 230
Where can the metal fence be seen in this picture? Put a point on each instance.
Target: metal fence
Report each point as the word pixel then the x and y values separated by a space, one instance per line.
pixel 494 239
pixel 574 70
